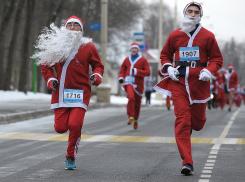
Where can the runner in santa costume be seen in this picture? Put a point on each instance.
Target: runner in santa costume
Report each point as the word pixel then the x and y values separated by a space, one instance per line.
pixel 231 82
pixel 220 98
pixel 197 56
pixel 69 54
pixel 132 72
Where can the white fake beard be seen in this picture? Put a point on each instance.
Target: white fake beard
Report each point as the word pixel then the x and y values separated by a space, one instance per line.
pixel 56 44
pixel 188 24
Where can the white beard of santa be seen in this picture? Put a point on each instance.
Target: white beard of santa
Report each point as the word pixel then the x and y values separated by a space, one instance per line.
pixel 56 44
pixel 189 23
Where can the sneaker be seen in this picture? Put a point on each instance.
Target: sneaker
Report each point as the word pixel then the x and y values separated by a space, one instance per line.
pixel 187 169
pixel 131 120
pixel 70 163
pixel 135 124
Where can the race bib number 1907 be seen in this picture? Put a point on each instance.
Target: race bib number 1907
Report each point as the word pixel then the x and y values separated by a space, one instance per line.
pixel 189 53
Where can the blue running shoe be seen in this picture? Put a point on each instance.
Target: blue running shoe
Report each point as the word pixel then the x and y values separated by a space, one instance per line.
pixel 70 163
pixel 187 169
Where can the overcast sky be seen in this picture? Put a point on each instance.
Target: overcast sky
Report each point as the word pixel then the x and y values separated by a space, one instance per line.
pixel 225 18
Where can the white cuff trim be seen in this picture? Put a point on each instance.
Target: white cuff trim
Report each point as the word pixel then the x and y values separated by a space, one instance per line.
pixel 163 67
pixel 98 75
pixel 51 79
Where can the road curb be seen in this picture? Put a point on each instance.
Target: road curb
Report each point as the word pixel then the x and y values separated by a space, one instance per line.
pixel 11 118
pixel 16 117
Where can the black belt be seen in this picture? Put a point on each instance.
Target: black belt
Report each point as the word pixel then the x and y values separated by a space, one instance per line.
pixel 192 64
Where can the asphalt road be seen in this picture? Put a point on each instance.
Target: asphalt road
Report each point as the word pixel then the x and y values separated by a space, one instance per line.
pixel 110 150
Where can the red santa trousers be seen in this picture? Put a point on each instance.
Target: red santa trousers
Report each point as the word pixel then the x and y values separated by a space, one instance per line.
pixel 70 119
pixel 134 102
pixel 187 117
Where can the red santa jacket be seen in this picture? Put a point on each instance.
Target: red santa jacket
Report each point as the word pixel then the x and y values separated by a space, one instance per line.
pixel 74 74
pixel 231 80
pixel 141 69
pixel 198 91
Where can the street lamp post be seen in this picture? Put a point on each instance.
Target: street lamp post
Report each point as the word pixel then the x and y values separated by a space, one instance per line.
pixel 103 91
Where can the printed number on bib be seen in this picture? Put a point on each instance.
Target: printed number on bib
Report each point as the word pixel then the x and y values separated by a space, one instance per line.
pixel 130 79
pixel 72 95
pixel 189 53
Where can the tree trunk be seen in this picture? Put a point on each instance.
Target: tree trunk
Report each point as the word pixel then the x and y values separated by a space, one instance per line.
pixel 25 57
pixel 10 58
pixel 6 11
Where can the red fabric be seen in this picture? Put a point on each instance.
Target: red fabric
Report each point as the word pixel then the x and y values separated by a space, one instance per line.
pixel 142 70
pixel 220 97
pixel 70 119
pixel 208 52
pixel 231 80
pixel 50 85
pixel 97 80
pixel 187 117
pixel 77 73
pixel 134 102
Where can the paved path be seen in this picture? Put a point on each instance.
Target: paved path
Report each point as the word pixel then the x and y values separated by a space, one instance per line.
pixel 110 150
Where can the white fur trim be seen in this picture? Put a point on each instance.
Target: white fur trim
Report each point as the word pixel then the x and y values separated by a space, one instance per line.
pixel 120 78
pixel 132 63
pixel 187 6
pixel 134 46
pixel 162 91
pixel 63 104
pixel 74 20
pixel 51 79
pixel 163 67
pixel 135 71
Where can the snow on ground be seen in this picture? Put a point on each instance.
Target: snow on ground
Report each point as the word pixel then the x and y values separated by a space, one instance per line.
pixel 16 95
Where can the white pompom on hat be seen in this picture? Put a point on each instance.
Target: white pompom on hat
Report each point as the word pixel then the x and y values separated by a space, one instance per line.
pixel 74 19
pixel 134 44
pixel 193 3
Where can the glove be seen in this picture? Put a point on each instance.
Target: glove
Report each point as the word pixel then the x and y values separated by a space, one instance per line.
pixel 96 80
pixel 121 80
pixel 52 84
pixel 173 73
pixel 204 75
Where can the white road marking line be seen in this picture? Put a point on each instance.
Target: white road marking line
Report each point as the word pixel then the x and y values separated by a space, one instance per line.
pixel 215 149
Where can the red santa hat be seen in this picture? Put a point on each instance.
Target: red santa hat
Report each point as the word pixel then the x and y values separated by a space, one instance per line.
pixel 74 19
pixel 195 4
pixel 231 66
pixel 134 44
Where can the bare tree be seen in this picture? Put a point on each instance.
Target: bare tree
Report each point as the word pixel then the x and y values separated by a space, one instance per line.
pixel 25 50
pixel 151 24
pixel 8 74
pixel 6 12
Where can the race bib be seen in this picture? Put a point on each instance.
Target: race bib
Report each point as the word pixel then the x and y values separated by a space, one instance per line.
pixel 72 95
pixel 129 79
pixel 189 53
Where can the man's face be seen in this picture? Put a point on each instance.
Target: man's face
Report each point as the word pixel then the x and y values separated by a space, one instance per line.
pixel 193 11
pixel 230 70
pixel 134 51
pixel 73 26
